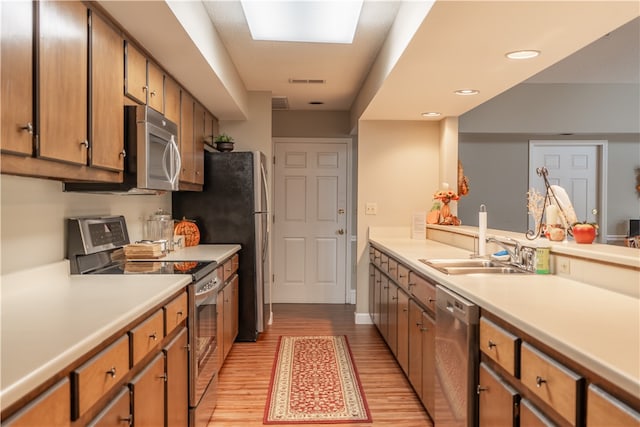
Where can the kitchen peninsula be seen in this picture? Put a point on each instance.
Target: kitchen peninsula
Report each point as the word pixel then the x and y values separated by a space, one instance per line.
pixel 585 329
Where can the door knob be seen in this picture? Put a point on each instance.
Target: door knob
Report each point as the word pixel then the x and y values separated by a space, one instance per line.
pixel 341 231
pixel 340 211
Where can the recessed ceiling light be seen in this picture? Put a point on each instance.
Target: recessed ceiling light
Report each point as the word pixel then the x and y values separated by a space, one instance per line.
pixel 311 21
pixel 431 114
pixel 467 92
pixel 523 54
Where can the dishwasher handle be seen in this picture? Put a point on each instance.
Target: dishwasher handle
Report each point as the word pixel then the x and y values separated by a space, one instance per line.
pixel 457 306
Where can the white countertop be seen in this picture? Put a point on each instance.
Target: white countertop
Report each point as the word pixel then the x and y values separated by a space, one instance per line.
pixel 50 318
pixel 597 328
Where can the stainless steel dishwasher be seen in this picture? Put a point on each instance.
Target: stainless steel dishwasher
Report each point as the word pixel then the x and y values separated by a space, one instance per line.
pixel 456 360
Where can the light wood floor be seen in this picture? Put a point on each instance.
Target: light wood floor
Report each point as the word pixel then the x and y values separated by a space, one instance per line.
pixel 244 378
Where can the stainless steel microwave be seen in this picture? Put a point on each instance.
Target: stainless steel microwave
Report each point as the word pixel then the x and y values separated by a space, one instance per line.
pixel 152 161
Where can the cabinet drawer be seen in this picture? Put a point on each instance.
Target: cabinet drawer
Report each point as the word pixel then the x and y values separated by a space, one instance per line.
pixel 371 254
pixel 500 345
pixel 552 382
pixel 605 410
pixel 423 290
pixel 100 374
pixel 175 312
pixel 530 416
pixel 384 262
pixel 403 276
pixel 393 269
pixel 230 267
pixel 51 409
pixel 146 336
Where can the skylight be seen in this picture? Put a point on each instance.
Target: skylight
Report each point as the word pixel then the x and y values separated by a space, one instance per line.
pixel 312 21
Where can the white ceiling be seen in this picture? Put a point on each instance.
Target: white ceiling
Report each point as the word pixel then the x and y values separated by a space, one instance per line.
pixel 459 44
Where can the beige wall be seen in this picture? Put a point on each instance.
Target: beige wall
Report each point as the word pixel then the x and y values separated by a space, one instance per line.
pixel 311 124
pixel 33 213
pixel 398 168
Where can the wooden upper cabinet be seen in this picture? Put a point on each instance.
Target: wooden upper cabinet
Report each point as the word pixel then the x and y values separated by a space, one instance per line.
pixel 107 109
pixel 63 55
pixel 135 73
pixel 198 149
pixel 172 100
pixel 16 50
pixel 187 174
pixel 156 87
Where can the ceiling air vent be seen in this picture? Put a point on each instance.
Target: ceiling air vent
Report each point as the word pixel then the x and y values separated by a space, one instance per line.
pixel 307 81
pixel 279 103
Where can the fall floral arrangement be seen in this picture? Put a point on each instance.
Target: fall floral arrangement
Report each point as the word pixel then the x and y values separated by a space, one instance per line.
pixel 445 196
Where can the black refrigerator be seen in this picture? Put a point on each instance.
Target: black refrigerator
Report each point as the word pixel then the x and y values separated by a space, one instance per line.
pixel 233 208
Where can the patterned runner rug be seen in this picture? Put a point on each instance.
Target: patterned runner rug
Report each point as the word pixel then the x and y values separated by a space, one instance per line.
pixel 315 381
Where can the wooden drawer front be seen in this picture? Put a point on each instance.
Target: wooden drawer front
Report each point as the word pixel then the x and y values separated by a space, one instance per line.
pixel 371 254
pixel 175 312
pixel 230 267
pixel 384 262
pixel 551 382
pixel 393 269
pixel 403 276
pixel 497 401
pixel 530 416
pixel 146 336
pixel 604 410
pixel 500 345
pixel 51 409
pixel 423 290
pixel 376 257
pixel 97 376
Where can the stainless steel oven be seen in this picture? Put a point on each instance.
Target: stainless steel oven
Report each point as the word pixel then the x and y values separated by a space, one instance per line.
pixel 203 341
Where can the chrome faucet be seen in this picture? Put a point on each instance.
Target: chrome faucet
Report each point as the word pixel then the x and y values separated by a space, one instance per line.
pixel 514 254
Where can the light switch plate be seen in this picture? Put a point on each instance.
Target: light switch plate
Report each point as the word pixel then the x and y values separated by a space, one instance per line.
pixel 371 208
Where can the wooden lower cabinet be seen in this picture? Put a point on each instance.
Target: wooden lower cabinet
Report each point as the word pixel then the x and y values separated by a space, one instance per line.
pixel 428 362
pixel 147 391
pixel 415 347
pixel 402 354
pixel 392 317
pixel 117 413
pixel 50 409
pixel 497 401
pixel 230 318
pixel 176 355
pixel 384 307
pixel 604 410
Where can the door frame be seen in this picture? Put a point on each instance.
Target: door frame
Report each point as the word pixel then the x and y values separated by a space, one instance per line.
pixel 348 240
pixel 603 157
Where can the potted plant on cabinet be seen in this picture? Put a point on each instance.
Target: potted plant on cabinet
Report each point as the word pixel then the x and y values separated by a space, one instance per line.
pixel 223 142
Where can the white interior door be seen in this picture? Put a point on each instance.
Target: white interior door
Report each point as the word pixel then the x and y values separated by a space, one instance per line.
pixel 310 235
pixel 574 166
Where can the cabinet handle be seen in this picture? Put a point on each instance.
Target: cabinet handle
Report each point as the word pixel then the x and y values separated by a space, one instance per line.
pixel 163 377
pixel 540 381
pixel 187 347
pixel 123 153
pixel 405 309
pixel 28 127
pixel 384 262
pixel 179 313
pixel 128 419
pixel 145 88
pixel 491 344
pixel 430 300
pixel 418 324
pixel 154 336
pixel 112 372
pixel 411 284
pixel 480 389
pixel 394 298
pixel 153 93
pixel 85 143
pixel 401 275
pixel 424 329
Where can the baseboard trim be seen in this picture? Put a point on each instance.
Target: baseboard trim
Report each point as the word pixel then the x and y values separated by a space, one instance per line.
pixel 363 319
pixel 352 296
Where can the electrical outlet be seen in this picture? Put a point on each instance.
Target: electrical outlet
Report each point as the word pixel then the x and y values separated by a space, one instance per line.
pixel 564 266
pixel 371 208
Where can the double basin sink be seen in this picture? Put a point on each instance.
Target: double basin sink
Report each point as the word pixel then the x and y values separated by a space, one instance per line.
pixel 473 266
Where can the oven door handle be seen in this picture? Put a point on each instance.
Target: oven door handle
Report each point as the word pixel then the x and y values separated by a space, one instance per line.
pixel 208 289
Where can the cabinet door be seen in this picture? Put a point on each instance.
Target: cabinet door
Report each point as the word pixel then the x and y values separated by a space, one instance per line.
pixel 403 331
pixel 135 74
pixel 497 400
pixel 428 362
pixel 376 298
pixel 156 87
pixel 235 304
pixel 220 327
pixel 147 389
pixel 229 312
pixel 208 126
pixel 372 278
pixel 107 108
pixel 415 347
pixel 198 141
pixel 384 307
pixel 63 60
pixel 117 413
pixel 186 138
pixel 172 101
pixel 604 410
pixel 51 409
pixel 530 416
pixel 177 387
pixel 392 318
pixel 16 57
